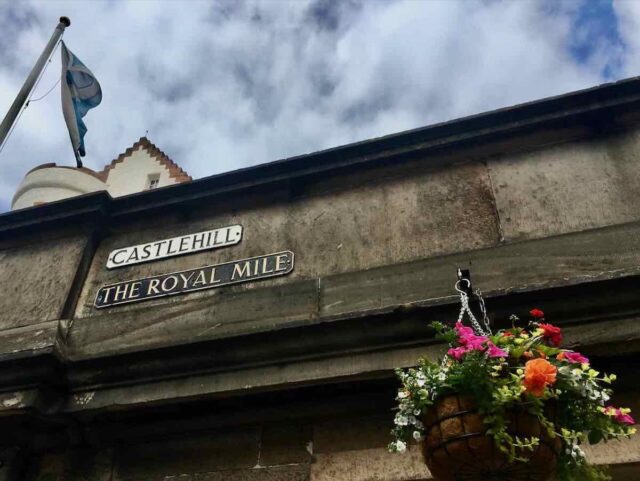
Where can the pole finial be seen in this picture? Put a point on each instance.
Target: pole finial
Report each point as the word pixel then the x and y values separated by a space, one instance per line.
pixel 65 21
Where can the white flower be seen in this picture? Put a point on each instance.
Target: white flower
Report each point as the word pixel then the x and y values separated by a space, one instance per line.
pixel 576 452
pixel 401 420
pixel 417 435
pixel 402 394
pixel 401 446
pixel 420 382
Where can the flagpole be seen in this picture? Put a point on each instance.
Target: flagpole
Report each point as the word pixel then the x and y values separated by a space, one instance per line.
pixel 78 161
pixel 22 96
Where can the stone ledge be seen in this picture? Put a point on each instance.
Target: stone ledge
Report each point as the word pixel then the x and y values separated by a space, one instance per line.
pixel 615 452
pixel 380 465
pixel 30 340
pixel 621 336
pixel 370 464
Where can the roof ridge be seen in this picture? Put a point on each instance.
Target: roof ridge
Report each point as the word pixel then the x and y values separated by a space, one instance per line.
pixel 175 171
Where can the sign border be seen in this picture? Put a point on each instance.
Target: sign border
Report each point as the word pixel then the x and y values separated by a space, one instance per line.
pixel 240 281
pixel 177 254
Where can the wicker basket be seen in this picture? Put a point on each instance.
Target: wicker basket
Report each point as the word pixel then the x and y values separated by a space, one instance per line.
pixel 457 448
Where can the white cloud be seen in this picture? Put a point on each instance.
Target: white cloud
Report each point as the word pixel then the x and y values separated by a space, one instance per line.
pixel 229 84
pixel 628 13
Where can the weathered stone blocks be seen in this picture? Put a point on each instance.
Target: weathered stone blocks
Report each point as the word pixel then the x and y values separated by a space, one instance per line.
pixel 35 279
pixel 568 187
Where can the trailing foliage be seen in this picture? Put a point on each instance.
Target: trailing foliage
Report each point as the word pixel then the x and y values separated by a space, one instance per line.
pixel 517 368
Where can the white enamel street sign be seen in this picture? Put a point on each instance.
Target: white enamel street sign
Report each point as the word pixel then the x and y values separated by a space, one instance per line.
pixel 176 246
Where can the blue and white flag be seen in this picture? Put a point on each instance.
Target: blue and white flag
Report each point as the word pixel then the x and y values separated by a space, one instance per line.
pixel 80 93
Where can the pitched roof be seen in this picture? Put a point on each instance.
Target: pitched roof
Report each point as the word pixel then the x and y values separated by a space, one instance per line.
pixel 175 171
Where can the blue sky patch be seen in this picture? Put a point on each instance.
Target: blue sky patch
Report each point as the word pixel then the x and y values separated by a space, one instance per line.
pixel 595 30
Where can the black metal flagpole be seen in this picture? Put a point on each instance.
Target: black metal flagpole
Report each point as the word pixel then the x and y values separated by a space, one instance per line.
pixel 78 161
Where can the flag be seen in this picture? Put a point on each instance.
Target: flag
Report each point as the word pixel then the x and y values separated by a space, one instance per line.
pixel 80 93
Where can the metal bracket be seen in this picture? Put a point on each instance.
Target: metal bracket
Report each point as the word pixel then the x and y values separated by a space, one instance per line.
pixel 464 281
pixel 475 304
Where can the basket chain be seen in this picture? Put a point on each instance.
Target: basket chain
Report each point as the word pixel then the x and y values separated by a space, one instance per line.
pixel 480 330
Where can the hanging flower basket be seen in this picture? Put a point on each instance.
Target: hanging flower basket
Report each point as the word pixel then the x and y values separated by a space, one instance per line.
pixel 509 406
pixel 456 446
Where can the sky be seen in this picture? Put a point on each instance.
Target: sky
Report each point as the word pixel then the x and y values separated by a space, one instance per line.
pixel 228 84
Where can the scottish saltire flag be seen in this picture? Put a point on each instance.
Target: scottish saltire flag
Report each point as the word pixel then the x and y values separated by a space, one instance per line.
pixel 80 93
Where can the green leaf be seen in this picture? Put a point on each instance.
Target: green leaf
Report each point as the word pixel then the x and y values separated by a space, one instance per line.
pixel 548 350
pixel 595 437
pixel 517 352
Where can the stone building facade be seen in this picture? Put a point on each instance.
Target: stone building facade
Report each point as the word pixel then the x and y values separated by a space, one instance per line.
pixel 288 373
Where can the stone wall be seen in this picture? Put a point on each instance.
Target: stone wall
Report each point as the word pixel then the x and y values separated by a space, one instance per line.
pixel 36 276
pixel 331 449
pixel 152 390
pixel 397 214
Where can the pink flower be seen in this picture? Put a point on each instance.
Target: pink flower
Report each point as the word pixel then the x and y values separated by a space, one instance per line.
pixel 625 419
pixel 467 338
pixel 572 357
pixel 495 351
pixel 619 416
pixel 463 331
pixel 457 353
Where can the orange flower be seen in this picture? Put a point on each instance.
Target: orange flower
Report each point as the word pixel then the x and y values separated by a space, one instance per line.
pixel 538 374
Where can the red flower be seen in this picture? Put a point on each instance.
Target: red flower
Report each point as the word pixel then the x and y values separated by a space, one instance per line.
pixel 537 313
pixel 551 333
pixel 507 334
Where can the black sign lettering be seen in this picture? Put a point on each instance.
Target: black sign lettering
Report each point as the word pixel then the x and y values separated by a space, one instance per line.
pixel 199 241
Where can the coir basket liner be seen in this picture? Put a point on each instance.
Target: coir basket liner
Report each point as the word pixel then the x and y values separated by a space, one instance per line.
pixel 456 446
